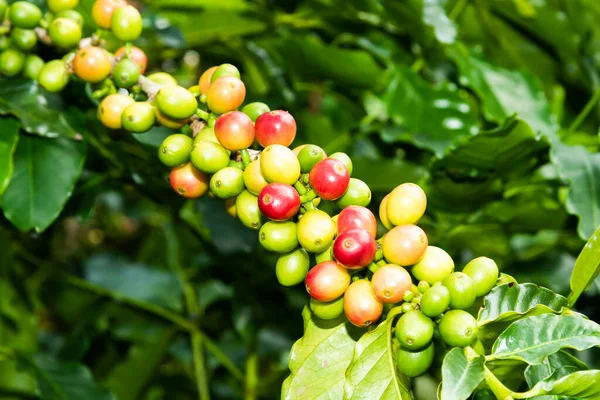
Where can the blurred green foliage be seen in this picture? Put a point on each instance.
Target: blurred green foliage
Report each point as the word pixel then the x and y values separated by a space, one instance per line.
pixel 478 101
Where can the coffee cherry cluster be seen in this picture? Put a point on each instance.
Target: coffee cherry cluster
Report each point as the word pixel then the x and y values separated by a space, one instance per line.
pixel 344 267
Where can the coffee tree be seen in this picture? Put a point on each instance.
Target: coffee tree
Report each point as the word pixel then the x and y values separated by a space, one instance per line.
pixel 388 312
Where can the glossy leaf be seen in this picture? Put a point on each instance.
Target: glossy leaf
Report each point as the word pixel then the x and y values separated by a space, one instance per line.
pixel 134 280
pixel 435 16
pixel 508 303
pixel 8 143
pixel 504 92
pixel 318 361
pixel 44 176
pixel 532 339
pixel 370 376
pixel 580 384
pixel 40 112
pixel 432 118
pixel 68 380
pixel 460 374
pixel 581 169
pixel 555 366
pixel 385 174
pixel 586 269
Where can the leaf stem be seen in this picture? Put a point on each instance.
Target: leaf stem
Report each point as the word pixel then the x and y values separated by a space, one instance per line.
pixel 497 387
pixel 394 312
pixel 584 113
pixel 191 301
pixel 251 381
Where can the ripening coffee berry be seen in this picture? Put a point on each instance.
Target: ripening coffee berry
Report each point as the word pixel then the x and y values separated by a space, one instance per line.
pixel 316 231
pixel 228 182
pixel 406 204
pixel 138 117
pixel 176 102
pixel 110 111
pixel 484 273
pixel 234 130
pixel 33 66
pixel 162 78
pixel 65 33
pixel 255 110
pixel 225 94
pixel 327 281
pixel 137 55
pixel 23 39
pixel 54 76
pixel 462 290
pixel 434 266
pixel 126 23
pixel 354 248
pixel 344 158
pixel 279 164
pixel 279 201
pixel 175 150
pixel 72 15
pixel 3 9
pixel 60 5
pixel 458 328
pixel 291 268
pixel 383 213
pixel 23 14
pixel 360 305
pixel 209 157
pixel 404 245
pixel 207 134
pixel 358 194
pixel 92 64
pixel 415 363
pixel 225 70
pixel 278 237
pixel 329 178
pixel 168 122
pixel 12 62
pixel 205 79
pixel 414 330
pixel 309 156
pixel 357 217
pixel 325 255
pixel 253 178
pixel 188 182
pixel 327 309
pixel 247 210
pixel 102 11
pixel 390 282
pixel 126 73
pixel 275 127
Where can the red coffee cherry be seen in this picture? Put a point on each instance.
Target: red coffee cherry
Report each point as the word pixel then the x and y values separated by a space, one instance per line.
pixel 275 127
pixel 327 281
pixel 357 217
pixel 234 130
pixel 354 248
pixel 279 201
pixel 329 178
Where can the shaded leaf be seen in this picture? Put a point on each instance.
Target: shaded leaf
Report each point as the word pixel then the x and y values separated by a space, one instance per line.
pixel 460 375
pixel 370 375
pixel 8 143
pixel 40 112
pixel 586 269
pixel 556 366
pixel 532 339
pixel 582 170
pixel 508 303
pixel 44 176
pixel 385 174
pixel 212 290
pixel 134 280
pixel 318 361
pixel 580 384
pixel 431 118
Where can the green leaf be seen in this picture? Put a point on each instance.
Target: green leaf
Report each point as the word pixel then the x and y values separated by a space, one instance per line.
pixel 8 143
pixel 435 16
pixel 40 112
pixel 460 375
pixel 44 176
pixel 210 291
pixel 580 384
pixel 532 339
pixel 504 92
pixel 58 380
pixel 433 118
pixel 370 375
pixel 508 303
pixel 581 169
pixel 385 174
pixel 129 378
pixel 556 366
pixel 586 269
pixel 318 361
pixel 133 280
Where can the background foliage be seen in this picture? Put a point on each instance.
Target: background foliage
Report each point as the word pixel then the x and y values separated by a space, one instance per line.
pixel 490 105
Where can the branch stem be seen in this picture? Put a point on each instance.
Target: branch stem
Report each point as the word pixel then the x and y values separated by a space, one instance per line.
pixel 585 112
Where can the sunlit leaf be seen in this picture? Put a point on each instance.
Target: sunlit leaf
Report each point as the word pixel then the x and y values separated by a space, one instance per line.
pixel 8 143
pixel 460 374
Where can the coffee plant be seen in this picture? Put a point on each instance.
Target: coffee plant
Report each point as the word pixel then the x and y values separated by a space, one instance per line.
pixel 402 247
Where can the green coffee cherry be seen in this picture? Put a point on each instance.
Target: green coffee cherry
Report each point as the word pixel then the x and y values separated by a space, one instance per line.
pixel 23 39
pixel 72 15
pixel 12 62
pixel 62 5
pixel 225 70
pixel 126 73
pixel 24 14
pixel 33 66
pixel 54 76
pixel 65 33
pixel 138 117
pixel 126 23
pixel 255 110
pixel 175 150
